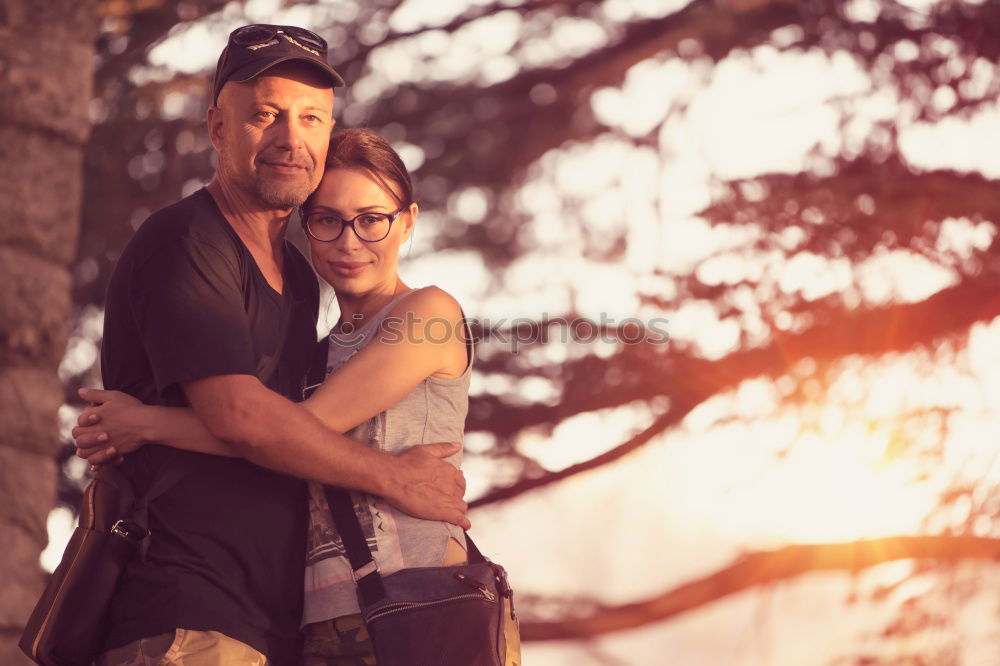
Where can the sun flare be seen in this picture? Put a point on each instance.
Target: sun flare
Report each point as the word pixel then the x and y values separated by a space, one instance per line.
pixel 840 487
pixel 827 471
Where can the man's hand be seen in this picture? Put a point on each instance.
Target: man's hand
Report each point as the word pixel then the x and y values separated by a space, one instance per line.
pixel 422 484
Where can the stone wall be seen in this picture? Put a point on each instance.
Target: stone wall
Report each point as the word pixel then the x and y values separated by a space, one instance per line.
pixel 46 64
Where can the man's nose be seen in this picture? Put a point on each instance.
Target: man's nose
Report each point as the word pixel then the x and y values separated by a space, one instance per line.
pixel 288 134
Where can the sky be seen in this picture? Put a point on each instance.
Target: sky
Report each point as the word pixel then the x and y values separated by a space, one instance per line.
pixel 695 498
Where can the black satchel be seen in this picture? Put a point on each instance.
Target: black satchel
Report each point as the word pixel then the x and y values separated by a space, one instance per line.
pixel 66 627
pixel 447 616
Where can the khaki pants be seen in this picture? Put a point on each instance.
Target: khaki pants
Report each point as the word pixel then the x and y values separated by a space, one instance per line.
pixel 184 647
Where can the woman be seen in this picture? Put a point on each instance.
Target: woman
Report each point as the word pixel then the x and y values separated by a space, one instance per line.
pixel 396 374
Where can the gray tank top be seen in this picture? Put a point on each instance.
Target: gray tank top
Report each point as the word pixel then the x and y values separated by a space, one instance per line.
pixel 434 411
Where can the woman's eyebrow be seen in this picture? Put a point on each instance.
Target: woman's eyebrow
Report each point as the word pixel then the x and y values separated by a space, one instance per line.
pixel 365 209
pixel 323 208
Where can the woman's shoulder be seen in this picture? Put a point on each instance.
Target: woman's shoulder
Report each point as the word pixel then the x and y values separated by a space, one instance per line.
pixel 427 302
pixel 430 316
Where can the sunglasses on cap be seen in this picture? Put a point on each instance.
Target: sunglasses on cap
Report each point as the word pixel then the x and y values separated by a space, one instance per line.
pixel 252 49
pixel 262 33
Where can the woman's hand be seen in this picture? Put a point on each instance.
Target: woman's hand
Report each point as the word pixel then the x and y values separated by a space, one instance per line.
pixel 112 426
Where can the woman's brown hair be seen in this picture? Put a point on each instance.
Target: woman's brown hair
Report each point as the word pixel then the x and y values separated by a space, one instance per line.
pixel 361 148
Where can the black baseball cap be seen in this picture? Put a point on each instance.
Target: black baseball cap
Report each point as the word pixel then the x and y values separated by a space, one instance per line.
pixel 252 49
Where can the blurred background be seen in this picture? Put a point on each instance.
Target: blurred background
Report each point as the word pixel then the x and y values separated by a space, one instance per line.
pixel 735 264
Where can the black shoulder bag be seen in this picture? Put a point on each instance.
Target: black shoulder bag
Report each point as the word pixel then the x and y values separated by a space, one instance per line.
pixel 67 625
pixel 447 616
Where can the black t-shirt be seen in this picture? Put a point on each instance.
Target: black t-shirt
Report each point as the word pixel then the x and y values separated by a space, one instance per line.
pixel 227 551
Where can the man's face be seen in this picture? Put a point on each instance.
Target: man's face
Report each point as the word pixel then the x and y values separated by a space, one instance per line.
pixel 272 134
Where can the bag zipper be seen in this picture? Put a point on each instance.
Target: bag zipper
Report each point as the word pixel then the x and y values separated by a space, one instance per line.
pixel 390 609
pixel 485 591
pixel 399 606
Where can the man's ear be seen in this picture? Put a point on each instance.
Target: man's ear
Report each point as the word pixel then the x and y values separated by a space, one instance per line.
pixel 213 119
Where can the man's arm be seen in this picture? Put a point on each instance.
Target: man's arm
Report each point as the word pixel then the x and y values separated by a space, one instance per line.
pixel 423 334
pixel 229 418
pixel 240 417
pixel 274 432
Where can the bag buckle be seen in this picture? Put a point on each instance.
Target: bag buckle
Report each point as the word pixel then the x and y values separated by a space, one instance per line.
pixel 368 568
pixel 503 584
pixel 129 531
pixel 504 588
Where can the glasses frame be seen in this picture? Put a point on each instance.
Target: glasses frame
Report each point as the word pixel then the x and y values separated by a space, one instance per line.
pixel 350 223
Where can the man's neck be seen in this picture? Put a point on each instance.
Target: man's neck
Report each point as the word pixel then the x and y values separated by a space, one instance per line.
pixel 260 227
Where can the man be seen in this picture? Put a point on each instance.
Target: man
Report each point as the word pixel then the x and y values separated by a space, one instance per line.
pixel 206 297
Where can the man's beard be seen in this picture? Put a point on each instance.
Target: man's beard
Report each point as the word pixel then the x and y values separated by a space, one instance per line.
pixel 275 192
pixel 280 193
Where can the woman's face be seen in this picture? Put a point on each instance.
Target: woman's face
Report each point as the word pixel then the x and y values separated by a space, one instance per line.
pixel 349 264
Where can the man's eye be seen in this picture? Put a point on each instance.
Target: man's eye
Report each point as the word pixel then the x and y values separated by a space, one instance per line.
pixel 267 115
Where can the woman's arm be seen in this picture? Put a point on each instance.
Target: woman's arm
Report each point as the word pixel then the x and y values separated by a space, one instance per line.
pixel 422 335
pixel 116 424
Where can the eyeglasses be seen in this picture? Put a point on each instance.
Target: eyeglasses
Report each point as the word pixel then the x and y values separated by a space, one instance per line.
pixel 261 33
pixel 325 226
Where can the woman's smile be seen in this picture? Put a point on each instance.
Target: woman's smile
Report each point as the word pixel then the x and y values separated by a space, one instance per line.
pixel 348 268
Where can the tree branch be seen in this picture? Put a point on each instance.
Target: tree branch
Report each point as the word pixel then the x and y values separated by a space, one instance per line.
pixel 672 417
pixel 839 331
pixel 143 24
pixel 909 203
pixel 687 380
pixel 762 568
pixel 359 57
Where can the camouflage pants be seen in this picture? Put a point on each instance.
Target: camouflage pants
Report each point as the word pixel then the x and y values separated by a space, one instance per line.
pixel 184 647
pixel 342 641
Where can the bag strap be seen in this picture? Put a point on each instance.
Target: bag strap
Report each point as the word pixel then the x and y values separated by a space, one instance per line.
pixel 161 484
pixel 317 369
pixel 166 480
pixel 133 523
pixel 366 573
